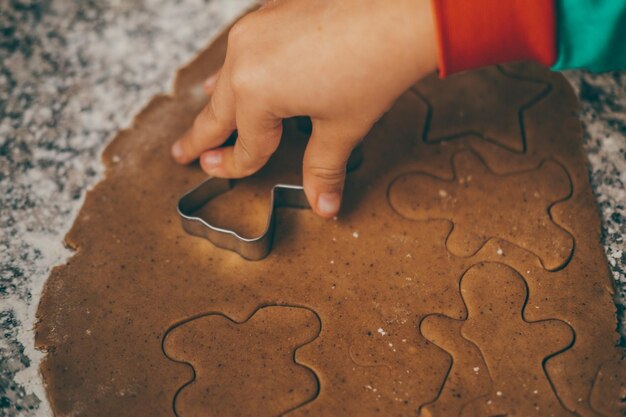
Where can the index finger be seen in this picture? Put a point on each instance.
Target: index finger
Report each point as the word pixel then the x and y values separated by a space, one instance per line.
pixel 212 126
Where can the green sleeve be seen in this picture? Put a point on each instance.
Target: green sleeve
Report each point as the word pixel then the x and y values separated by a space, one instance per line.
pixel 591 35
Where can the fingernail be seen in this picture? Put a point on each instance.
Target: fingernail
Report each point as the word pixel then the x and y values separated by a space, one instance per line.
pixel 212 158
pixel 177 150
pixel 328 203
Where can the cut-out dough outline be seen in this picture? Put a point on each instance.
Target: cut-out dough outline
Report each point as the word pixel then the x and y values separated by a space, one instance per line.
pixel 471 133
pixel 522 312
pixel 449 370
pixel 455 177
pixel 256 310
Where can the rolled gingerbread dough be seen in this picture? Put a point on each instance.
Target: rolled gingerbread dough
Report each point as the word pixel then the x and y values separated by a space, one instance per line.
pixel 463 276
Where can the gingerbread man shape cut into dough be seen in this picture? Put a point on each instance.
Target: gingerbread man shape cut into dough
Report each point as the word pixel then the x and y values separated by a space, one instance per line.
pixel 514 350
pixel 267 379
pixel 482 205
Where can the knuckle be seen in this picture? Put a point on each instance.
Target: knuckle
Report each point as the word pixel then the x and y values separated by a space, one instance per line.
pixel 196 139
pixel 205 117
pixel 327 174
pixel 245 152
pixel 244 159
pixel 209 116
pixel 246 67
pixel 239 32
pixel 197 133
pixel 242 80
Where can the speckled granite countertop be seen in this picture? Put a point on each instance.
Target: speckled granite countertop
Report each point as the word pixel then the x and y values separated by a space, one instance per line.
pixel 73 72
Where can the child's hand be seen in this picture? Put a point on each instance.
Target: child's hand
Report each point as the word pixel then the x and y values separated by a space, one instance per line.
pixel 343 63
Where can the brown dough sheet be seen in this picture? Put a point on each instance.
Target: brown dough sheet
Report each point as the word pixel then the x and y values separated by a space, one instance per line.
pixel 145 320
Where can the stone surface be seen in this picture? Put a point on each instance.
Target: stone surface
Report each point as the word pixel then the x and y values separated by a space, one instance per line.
pixel 72 73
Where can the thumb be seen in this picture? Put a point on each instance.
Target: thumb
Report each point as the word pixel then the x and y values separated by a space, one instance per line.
pixel 324 166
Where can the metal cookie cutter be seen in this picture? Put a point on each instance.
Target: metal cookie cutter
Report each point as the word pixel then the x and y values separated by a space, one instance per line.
pixel 252 249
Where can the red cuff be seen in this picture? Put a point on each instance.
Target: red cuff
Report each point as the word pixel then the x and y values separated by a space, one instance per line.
pixel 476 33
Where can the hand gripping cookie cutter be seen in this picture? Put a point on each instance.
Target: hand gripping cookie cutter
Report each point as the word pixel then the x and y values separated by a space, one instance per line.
pixel 255 248
pixel 252 249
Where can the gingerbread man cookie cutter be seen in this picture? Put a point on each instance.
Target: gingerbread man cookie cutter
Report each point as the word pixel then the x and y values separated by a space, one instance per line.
pixel 250 248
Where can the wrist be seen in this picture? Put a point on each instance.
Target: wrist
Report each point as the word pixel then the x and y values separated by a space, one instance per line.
pixel 422 37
